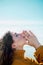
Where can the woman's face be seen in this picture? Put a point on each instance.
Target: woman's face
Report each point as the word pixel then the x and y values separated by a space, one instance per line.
pixel 19 41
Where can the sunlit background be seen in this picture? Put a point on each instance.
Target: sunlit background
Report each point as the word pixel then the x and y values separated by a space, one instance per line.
pixel 18 15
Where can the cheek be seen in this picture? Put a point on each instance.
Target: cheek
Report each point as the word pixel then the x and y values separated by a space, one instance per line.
pixel 20 41
pixel 23 42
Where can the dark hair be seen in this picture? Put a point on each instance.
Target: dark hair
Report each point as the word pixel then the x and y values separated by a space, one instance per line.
pixel 7 55
pixel 1 45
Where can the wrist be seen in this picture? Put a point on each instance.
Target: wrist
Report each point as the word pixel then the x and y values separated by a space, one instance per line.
pixel 37 45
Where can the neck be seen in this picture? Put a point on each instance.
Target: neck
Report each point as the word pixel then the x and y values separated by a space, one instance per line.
pixel 19 48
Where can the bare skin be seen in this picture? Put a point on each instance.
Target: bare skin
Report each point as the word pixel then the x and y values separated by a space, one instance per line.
pixel 19 41
pixel 31 38
pixel 23 38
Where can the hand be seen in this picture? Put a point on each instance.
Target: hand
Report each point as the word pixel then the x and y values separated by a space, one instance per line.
pixel 31 38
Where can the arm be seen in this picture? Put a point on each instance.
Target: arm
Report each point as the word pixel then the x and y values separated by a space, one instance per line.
pixel 39 54
pixel 33 41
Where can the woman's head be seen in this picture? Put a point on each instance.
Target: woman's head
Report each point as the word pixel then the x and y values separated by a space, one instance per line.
pixel 19 41
pixel 11 42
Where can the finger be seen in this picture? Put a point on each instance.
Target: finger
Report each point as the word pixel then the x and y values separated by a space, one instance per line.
pixel 26 33
pixel 23 35
pixel 31 33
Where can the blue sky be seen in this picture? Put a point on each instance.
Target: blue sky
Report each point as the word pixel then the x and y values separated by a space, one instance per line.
pixel 21 9
pixel 18 15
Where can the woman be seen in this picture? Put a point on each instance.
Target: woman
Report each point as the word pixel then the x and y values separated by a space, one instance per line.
pixel 13 53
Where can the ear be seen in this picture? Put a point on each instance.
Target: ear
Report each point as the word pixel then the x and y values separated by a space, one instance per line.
pixel 13 46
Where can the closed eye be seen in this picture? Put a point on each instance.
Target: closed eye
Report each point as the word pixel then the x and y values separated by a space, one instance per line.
pixel 17 35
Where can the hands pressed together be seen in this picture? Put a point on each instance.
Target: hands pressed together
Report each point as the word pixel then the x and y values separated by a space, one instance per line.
pixel 31 39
